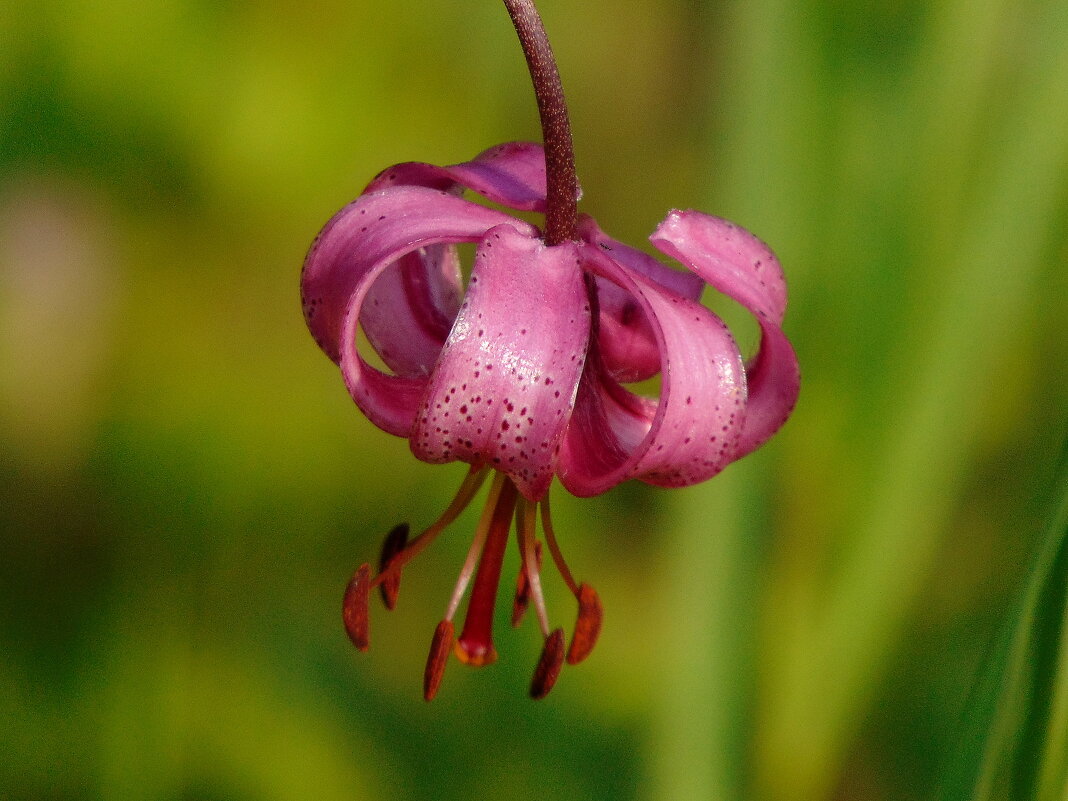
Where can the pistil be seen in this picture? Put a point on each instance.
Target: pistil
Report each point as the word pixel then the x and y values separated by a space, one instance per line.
pixel 475 645
pixel 526 519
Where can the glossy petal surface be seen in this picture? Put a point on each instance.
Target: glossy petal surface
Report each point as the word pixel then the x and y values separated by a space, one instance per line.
pixel 678 281
pixel 504 386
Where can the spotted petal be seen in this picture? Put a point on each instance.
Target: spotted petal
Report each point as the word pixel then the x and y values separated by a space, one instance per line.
pixel 504 386
pixel 688 434
pixel 741 266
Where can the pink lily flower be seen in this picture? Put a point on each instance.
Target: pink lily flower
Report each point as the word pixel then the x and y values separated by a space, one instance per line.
pixel 522 374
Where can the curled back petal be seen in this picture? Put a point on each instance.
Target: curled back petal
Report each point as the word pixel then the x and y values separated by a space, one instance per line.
pixel 504 386
pixel 680 282
pixel 376 230
pixel 741 266
pixel 389 401
pixel 687 435
pixel 409 310
pixel 625 338
pixel 512 174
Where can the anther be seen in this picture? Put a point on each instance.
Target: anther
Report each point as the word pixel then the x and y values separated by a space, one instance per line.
pixel 394 543
pixel 438 658
pixel 354 609
pixel 587 624
pixel 548 669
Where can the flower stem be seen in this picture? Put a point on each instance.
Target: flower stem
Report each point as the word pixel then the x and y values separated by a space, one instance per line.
pixel 562 185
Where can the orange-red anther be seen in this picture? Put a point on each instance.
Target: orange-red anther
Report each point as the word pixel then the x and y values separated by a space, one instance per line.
pixel 394 543
pixel 587 625
pixel 548 669
pixel 438 658
pixel 354 609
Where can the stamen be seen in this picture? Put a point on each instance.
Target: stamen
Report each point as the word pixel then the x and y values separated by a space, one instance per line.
pixel 354 608
pixel 554 547
pixel 587 625
pixel 590 613
pixel 548 669
pixel 481 532
pixel 475 645
pixel 470 486
pixel 438 658
pixel 531 561
pixel 522 585
pixel 391 547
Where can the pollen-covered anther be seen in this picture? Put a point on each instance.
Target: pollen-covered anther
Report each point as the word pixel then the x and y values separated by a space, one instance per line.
pixel 522 588
pixel 438 658
pixel 548 669
pixel 587 624
pixel 354 609
pixel 393 545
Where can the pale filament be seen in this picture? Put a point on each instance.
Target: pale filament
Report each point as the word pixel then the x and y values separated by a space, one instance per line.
pixel 526 519
pixel 554 547
pixel 475 550
pixel 470 486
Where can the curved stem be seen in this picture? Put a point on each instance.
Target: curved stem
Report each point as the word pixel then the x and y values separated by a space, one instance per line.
pixel 561 183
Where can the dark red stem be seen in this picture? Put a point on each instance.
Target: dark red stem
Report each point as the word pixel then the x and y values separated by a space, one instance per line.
pixel 562 185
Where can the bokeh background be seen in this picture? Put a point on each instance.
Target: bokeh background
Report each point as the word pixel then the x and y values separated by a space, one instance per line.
pixel 185 486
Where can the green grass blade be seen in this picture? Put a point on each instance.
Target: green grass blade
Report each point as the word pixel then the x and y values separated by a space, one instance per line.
pixel 1014 734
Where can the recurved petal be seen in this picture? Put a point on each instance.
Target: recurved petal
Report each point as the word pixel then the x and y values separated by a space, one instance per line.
pixel 505 383
pixel 410 308
pixel 372 232
pixel 741 266
pixel 687 435
pixel 389 401
pixel 512 174
pixel 625 338
pixel 680 282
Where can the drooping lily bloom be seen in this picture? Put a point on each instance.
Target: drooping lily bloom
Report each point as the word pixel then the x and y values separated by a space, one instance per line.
pixel 522 373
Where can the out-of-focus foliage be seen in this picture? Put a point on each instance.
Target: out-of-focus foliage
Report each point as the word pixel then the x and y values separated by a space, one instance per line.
pixel 1013 740
pixel 185 486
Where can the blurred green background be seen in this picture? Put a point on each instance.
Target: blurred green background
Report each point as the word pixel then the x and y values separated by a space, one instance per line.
pixel 185 486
